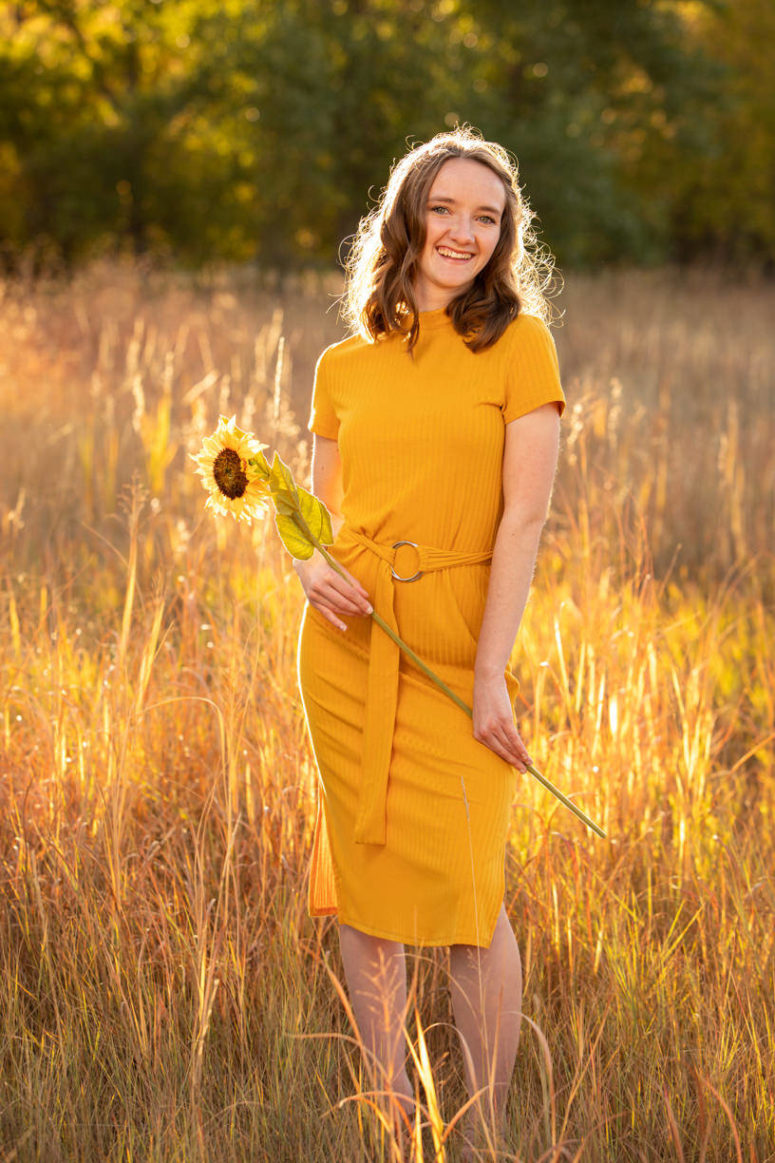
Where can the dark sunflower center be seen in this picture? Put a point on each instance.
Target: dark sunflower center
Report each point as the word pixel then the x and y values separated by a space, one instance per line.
pixel 229 474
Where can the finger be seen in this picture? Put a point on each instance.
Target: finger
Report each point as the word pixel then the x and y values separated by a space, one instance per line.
pixel 353 600
pixel 357 585
pixel 496 744
pixel 517 758
pixel 330 616
pixel 512 740
pixel 511 755
pixel 362 592
pixel 342 605
pixel 505 745
pixel 330 585
pixel 346 577
pixel 511 758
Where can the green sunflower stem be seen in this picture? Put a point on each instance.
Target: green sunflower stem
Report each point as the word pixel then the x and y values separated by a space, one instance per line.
pixel 547 783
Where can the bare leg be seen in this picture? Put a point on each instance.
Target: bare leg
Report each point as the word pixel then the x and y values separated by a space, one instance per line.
pixel 376 983
pixel 486 989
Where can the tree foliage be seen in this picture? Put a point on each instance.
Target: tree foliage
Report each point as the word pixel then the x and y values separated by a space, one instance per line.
pixel 258 129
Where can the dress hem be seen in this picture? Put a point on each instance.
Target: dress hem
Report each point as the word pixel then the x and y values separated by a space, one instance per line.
pixel 371 931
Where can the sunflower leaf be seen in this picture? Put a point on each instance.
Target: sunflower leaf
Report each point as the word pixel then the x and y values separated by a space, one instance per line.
pixel 281 478
pixel 296 542
pixel 285 504
pixel 316 516
pixel 260 467
pixel 304 524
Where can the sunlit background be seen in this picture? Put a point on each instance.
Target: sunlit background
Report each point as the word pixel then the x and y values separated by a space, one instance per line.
pixel 176 181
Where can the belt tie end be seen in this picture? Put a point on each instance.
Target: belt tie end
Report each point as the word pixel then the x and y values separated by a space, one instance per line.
pixel 382 685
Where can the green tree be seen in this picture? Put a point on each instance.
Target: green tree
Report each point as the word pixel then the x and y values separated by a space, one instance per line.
pixel 724 204
pixel 584 92
pixel 260 129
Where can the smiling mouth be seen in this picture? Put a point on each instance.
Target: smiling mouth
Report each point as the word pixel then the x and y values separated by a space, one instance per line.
pixel 455 255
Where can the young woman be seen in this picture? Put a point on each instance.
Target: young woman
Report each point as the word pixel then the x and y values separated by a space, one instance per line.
pixel 436 427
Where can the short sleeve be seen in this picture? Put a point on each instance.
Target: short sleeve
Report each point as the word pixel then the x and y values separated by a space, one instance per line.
pixel 322 418
pixel 532 369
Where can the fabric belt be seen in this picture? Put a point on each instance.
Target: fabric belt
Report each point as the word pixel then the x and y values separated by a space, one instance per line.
pixel 403 561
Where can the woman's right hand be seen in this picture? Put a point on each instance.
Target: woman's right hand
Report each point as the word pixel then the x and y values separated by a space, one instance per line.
pixel 331 594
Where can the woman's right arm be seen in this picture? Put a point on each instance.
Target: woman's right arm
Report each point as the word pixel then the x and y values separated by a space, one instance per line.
pixel 332 595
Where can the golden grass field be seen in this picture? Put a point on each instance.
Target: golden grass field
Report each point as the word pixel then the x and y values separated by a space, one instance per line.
pixel 163 993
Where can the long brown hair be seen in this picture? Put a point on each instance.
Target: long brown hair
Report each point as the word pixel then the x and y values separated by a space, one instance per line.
pixel 384 260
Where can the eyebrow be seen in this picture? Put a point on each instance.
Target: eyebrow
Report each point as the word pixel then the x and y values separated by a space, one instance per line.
pixel 444 198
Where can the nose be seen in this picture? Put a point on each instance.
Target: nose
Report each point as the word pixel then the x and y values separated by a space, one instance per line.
pixel 461 228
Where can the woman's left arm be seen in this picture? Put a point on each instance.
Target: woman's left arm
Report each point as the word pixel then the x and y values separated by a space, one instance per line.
pixel 529 464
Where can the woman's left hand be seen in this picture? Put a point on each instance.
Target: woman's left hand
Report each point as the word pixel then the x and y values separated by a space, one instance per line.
pixel 494 721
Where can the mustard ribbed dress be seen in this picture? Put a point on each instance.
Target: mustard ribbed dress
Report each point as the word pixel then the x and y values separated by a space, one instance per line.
pixel 412 811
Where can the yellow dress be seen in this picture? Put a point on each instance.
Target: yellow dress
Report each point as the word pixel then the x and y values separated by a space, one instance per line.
pixel 413 811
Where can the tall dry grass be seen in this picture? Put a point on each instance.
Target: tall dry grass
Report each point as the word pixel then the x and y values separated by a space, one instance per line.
pixel 163 994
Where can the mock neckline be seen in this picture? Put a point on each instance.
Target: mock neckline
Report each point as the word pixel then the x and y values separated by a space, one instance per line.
pixel 438 317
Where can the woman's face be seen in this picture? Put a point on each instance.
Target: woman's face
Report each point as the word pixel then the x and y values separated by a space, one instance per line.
pixel 463 216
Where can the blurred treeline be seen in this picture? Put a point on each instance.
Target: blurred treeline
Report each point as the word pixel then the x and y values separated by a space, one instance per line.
pixel 262 129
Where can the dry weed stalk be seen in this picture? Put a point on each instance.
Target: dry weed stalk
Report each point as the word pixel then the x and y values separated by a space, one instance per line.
pixel 157 965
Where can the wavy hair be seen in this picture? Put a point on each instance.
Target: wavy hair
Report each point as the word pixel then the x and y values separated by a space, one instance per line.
pixel 384 260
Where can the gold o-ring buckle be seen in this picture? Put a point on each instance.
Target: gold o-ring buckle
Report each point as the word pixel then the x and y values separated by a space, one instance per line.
pixel 397 576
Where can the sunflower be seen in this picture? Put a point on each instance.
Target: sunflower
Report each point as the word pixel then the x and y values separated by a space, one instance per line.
pixel 223 466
